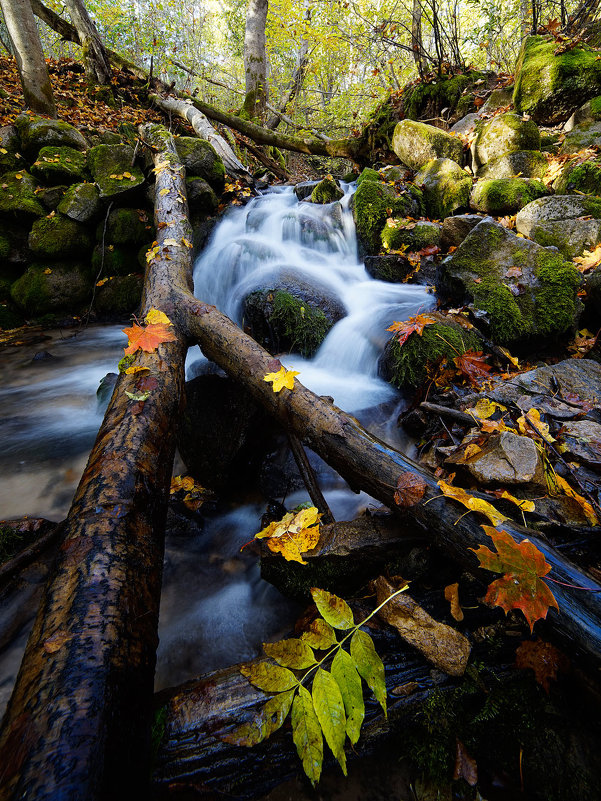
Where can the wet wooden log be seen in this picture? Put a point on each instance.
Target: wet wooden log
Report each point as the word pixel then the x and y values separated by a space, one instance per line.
pixel 78 723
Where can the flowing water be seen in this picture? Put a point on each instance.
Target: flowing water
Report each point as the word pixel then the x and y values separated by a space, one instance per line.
pixel 215 609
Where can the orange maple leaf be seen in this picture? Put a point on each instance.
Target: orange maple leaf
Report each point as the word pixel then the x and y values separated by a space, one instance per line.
pixel 472 364
pixel 147 338
pixel 413 325
pixel 521 586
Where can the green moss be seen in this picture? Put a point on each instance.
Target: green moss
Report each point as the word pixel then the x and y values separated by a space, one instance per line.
pixel 505 315
pixel 595 107
pixel 125 227
pixel 446 187
pixel 17 195
pixel 369 175
pixel 446 92
pixel 303 327
pixel 420 235
pixel 38 132
pixel 580 178
pixel 505 195
pixel 116 260
pixel 62 287
pixel 373 203
pixel 326 191
pixel 105 161
pixel 416 143
pixel 200 159
pixel 407 365
pixel 81 202
pixel 59 236
pixel 556 301
pixel 59 165
pixel 119 296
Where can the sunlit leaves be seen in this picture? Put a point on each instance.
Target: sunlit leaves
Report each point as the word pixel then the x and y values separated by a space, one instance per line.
pixel 329 708
pixel 267 677
pixel 472 503
pixel 291 653
pixel 293 535
pixel 414 325
pixel 333 609
pixel 369 665
pixel 588 260
pixel 282 379
pixel 306 734
pixel 521 586
pixel 349 682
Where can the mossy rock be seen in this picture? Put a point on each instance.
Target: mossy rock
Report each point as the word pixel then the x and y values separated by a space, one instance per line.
pixel 105 161
pixel 201 198
pixel 579 178
pixel 391 267
pixel 125 227
pixel 446 187
pixel 551 87
pixel 505 195
pixel 427 100
pixel 304 189
pixel 587 114
pixel 10 158
pixel 522 163
pixel 51 196
pixel 119 296
pixel 571 223
pixel 416 143
pixel 15 254
pixel 507 133
pixel 115 260
pixel 81 202
pixel 373 203
pixel 550 141
pixel 38 132
pixel 60 165
pixel 57 236
pixel 412 235
pixel 498 98
pixel 537 300
pixel 326 191
pixel 200 158
pixel 369 174
pixel 52 287
pixel 283 320
pixel 17 195
pixel 408 366
pixel 581 138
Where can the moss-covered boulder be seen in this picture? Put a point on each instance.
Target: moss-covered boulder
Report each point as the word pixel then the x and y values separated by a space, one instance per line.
pixel 524 163
pixel 10 158
pixel 571 223
pixel 369 174
pixel 304 189
pixel 551 87
pixel 446 187
pixel 111 168
pixel 51 196
pixel 521 290
pixel 507 133
pixel 455 229
pixel 201 198
pixel 579 178
pixel 126 227
pixel 409 365
pixel 326 191
pixel 498 99
pixel 81 202
pixel 60 165
pixel 115 260
pixel 119 295
pixel 588 113
pixel 56 236
pixel 14 249
pixel 291 318
pixel 505 195
pixel 416 143
pixel 391 267
pixel 38 132
pixel 200 158
pixel 18 195
pixel 373 203
pixel 399 233
pixel 451 93
pixel 582 137
pixel 45 289
pixel 550 140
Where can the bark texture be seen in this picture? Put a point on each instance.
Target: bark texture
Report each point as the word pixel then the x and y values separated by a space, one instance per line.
pixel 98 68
pixel 255 59
pixel 78 723
pixel 27 47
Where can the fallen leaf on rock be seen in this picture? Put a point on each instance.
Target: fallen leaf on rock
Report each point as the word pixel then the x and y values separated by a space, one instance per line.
pixel 410 490
pixel 532 420
pixel 293 535
pixel 472 364
pixel 586 507
pixel 543 658
pixel 525 506
pixel 588 260
pixel 415 325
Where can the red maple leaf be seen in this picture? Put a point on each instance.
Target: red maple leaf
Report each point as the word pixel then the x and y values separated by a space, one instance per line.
pixel 412 325
pixel 147 338
pixel 521 586
pixel 472 364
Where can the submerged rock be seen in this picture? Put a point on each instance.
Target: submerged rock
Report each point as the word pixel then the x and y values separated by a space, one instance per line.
pixel 416 143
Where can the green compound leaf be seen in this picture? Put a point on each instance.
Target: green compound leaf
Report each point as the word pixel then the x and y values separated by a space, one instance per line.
pixel 306 733
pixel 329 708
pixel 270 678
pixel 320 635
pixel 291 653
pixel 348 680
pixel 333 609
pixel 369 665
pixel 269 719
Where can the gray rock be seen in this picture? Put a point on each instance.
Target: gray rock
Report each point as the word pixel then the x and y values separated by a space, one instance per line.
pixel 304 189
pixel 466 124
pixel 200 196
pixel 498 196
pixel 81 202
pixel 556 221
pixel 580 138
pixel 416 143
pixel 588 113
pixel 455 229
pixel 446 187
pixel 506 459
pixel 498 98
pixel 522 163
pixel 582 438
pixel 38 132
pixel 200 159
pixel 393 267
pixel 507 133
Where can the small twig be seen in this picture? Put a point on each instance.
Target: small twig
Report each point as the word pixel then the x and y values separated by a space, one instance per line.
pixel 451 414
pixel 308 476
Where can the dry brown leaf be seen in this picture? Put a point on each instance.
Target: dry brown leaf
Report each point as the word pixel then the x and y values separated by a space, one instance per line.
pixel 451 594
pixel 410 490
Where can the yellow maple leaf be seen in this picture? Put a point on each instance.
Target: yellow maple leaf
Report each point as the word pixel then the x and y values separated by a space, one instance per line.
pixel 293 535
pixel 283 378
pixel 136 368
pixel 471 503
pixel 155 316
pixel 531 420
pixel 485 408
pixel 588 260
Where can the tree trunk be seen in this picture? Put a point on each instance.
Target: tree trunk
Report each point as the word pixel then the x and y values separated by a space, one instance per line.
pixel 27 48
pixel 255 59
pixel 98 68
pixel 416 37
pixel 78 722
pixel 204 130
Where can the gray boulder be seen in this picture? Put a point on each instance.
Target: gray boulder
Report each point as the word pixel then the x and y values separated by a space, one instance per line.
pixel 81 202
pixel 571 223
pixel 455 229
pixel 507 133
pixel 416 143
pixel 522 163
pixel 38 132
pixel 506 459
pixel 446 187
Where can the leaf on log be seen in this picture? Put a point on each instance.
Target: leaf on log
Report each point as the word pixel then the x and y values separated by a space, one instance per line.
pixel 293 535
pixel 410 490
pixel 306 734
pixel 348 680
pixel 472 503
pixel 319 635
pixel 451 594
pixel 369 665
pixel 290 653
pixel 269 678
pixel 283 378
pixel 586 507
pixel 521 586
pixel 270 718
pixel 147 338
pixel 333 609
pixel 156 316
pixel 329 708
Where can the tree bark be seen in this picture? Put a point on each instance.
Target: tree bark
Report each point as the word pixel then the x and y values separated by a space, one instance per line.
pixel 25 40
pixel 204 130
pixel 98 68
pixel 78 723
pixel 416 37
pixel 255 59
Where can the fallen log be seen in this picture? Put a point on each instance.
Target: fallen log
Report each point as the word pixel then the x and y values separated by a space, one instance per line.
pixel 78 722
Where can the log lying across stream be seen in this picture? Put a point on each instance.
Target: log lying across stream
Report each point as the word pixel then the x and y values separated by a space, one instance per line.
pixel 77 726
